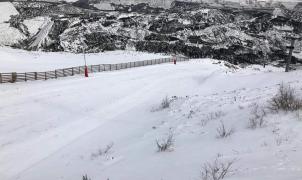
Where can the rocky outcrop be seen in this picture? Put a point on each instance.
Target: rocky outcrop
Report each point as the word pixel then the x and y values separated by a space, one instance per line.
pixel 297 12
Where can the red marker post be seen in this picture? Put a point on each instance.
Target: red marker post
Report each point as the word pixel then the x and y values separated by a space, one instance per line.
pixel 174 60
pixel 86 68
pixel 86 71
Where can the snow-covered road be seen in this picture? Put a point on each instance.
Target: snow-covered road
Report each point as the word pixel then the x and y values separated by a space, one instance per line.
pixel 49 130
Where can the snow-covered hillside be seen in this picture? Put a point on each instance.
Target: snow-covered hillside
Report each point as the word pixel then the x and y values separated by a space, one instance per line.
pixel 6 10
pixel 8 35
pixel 193 29
pixel 59 129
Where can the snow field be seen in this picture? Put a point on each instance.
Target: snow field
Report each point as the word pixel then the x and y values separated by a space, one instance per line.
pixel 51 129
pixel 12 60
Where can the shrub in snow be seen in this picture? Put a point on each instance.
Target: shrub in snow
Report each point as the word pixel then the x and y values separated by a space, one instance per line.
pixel 103 152
pixel 191 113
pixel 216 170
pixel 85 177
pixel 165 103
pixel 257 119
pixel 286 100
pixel 212 116
pixel 165 144
pixel 281 139
pixel 223 132
pixel 299 115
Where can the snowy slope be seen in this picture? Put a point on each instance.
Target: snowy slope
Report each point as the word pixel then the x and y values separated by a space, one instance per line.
pixel 6 10
pixel 42 35
pixel 8 35
pixel 35 24
pixel 12 60
pixel 51 129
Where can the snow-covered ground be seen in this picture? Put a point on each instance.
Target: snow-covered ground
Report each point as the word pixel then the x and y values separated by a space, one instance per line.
pixel 13 60
pixel 54 129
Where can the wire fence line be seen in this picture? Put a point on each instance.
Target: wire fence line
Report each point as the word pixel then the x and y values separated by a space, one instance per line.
pixel 58 73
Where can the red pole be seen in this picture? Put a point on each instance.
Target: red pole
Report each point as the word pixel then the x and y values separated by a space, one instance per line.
pixel 86 71
pixel 175 60
pixel 86 68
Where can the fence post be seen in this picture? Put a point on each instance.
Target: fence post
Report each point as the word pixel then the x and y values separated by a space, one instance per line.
pixel 110 67
pixel 0 78
pixel 63 72
pixel 72 73
pixel 14 77
pixel 25 77
pixel 45 75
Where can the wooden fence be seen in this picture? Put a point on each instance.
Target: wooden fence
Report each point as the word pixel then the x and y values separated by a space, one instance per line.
pixel 32 76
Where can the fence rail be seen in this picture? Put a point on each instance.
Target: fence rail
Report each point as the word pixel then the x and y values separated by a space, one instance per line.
pixel 32 76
